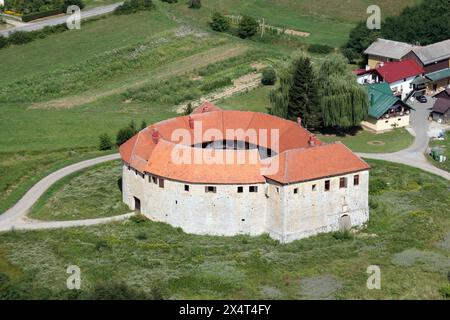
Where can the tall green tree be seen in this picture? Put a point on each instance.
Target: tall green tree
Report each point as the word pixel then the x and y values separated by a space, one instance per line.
pixel 343 101
pixel 279 97
pixel 303 94
pixel 219 22
pixel 248 27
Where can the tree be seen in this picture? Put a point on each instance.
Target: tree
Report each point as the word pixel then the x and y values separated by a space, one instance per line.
pixel 132 125
pixel 188 109
pixel 105 142
pixel 143 125
pixel 361 37
pixel 219 22
pixel 343 101
pixel 194 4
pixel 303 96
pixel 68 3
pixel 279 97
pixel 269 76
pixel 3 42
pixel 124 135
pixel 248 27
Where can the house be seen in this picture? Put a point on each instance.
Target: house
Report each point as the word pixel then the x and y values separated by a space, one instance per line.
pixel 386 111
pixel 444 94
pixel 383 50
pixel 434 59
pixel 398 74
pixel 441 110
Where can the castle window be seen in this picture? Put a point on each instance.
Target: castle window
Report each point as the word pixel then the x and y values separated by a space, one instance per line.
pixel 161 183
pixel 240 189
pixel 210 189
pixel 356 180
pixel 186 187
pixel 343 183
pixel 295 190
pixel 314 187
pixel 253 189
pixel 278 190
pixel 154 179
pixel 327 185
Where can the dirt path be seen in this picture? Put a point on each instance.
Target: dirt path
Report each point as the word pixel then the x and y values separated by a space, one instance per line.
pixel 172 69
pixel 242 84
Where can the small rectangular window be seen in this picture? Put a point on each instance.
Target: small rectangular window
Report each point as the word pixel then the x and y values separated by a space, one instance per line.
pixel 356 180
pixel 343 183
pixel 253 189
pixel 278 190
pixel 327 185
pixel 154 180
pixel 186 187
pixel 210 189
pixel 161 183
pixel 314 187
pixel 240 189
pixel 295 190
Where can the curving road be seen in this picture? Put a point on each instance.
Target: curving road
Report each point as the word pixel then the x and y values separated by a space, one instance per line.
pixel 15 218
pixel 61 19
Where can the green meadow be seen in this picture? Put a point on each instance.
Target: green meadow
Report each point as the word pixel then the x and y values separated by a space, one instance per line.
pixel 408 238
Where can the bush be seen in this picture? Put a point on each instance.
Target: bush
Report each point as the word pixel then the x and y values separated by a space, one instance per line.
pixel 170 1
pixel 351 54
pixel 132 6
pixel 219 22
pixel 342 235
pixel 68 3
pixel 194 4
pixel 21 37
pixel 248 27
pixel 320 49
pixel 188 109
pixel 105 142
pixel 138 219
pixel 141 235
pixel 269 76
pixel 116 291
pixel 102 245
pixel 377 186
pixel 3 42
pixel 445 291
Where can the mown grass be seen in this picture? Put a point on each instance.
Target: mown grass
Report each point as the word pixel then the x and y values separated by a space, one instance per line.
pixel 91 193
pixel 409 210
pixel 365 141
pixel 444 145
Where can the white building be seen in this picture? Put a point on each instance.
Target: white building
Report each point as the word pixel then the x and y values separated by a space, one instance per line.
pixel 296 187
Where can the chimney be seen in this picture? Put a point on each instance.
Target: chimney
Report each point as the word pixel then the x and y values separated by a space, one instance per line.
pixel 155 136
pixel 299 121
pixel 191 122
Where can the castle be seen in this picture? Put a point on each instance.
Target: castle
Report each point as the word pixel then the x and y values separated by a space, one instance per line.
pixel 223 172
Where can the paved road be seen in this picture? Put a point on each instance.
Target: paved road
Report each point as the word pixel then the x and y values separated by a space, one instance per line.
pixel 16 214
pixel 89 13
pixel 414 155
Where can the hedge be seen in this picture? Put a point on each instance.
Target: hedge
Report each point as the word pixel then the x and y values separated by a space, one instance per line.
pixel 39 15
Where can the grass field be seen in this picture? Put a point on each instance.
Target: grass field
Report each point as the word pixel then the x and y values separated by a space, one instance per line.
pixel 91 193
pixel 407 237
pixel 445 146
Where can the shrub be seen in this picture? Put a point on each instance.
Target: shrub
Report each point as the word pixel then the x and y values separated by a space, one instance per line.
pixel 342 235
pixel 377 186
pixel 116 291
pixel 188 109
pixel 132 6
pixel 21 37
pixel 351 54
pixel 3 42
pixel 138 219
pixel 194 4
pixel 102 245
pixel 68 3
pixel 105 142
pixel 141 235
pixel 219 22
pixel 269 76
pixel 248 27
pixel 320 49
pixel 445 291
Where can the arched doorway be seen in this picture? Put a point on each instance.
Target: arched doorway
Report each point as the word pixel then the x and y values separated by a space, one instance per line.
pixel 344 223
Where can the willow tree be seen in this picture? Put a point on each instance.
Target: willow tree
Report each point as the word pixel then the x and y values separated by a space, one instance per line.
pixel 343 101
pixel 279 97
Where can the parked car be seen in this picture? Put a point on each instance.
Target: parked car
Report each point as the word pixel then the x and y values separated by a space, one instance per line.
pixel 422 99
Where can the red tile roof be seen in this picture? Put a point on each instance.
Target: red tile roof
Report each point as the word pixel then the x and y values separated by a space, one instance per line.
pixel 399 70
pixel 298 160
